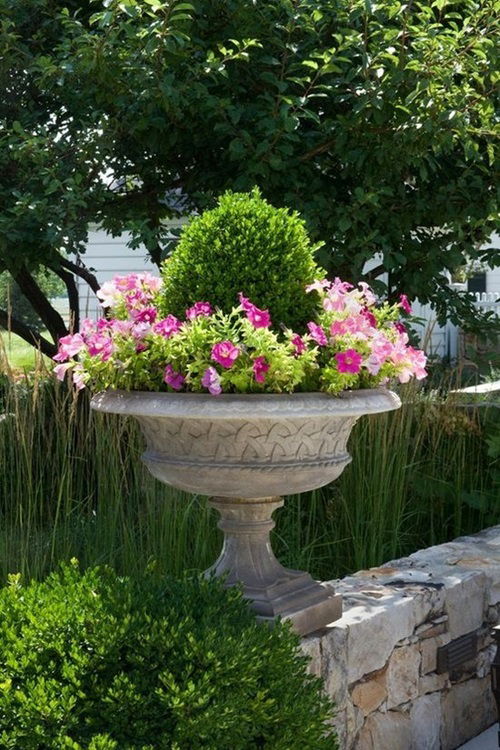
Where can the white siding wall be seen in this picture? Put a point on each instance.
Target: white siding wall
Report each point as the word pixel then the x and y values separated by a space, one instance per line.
pixel 493 276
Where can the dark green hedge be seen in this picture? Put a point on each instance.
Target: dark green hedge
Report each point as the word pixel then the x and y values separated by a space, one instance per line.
pixel 90 660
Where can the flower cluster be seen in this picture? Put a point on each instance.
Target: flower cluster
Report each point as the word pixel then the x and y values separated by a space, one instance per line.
pixel 351 343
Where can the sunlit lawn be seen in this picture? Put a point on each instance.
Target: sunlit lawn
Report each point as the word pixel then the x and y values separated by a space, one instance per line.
pixel 19 354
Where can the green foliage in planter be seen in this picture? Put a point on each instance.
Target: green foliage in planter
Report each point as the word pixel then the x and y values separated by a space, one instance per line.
pixel 100 662
pixel 244 245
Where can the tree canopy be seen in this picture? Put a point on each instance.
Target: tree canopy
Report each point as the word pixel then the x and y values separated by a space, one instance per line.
pixel 375 121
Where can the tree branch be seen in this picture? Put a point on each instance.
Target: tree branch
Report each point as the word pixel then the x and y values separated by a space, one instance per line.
pixel 375 272
pixel 319 149
pixel 83 272
pixel 30 335
pixel 73 297
pixel 50 317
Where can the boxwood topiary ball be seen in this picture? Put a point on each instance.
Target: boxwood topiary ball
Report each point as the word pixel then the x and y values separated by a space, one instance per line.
pixel 244 245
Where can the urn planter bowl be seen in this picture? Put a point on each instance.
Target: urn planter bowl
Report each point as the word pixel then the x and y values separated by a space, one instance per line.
pixel 245 451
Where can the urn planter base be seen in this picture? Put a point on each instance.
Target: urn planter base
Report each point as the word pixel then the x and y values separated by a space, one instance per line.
pixel 247 559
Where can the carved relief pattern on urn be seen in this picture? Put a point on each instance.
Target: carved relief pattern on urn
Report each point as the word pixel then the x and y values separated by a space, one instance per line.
pixel 249 441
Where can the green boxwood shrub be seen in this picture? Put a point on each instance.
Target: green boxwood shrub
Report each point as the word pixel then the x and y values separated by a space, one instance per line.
pixel 244 245
pixel 90 660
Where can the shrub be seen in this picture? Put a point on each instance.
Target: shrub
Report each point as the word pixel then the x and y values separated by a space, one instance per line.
pixel 106 663
pixel 244 245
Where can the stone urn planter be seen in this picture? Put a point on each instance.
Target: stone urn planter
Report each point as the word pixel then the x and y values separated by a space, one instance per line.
pixel 245 451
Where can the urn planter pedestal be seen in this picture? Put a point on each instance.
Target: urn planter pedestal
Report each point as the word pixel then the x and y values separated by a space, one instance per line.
pixel 245 451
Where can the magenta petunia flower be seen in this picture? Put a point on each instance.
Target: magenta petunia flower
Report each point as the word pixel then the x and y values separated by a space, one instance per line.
pixel 225 353
pixel 299 344
pixel 257 317
pixel 168 326
pixel 317 333
pixel 405 303
pixel 203 309
pixel 144 315
pixel 260 367
pixel 369 316
pixel 172 378
pixel 211 380
pixel 349 361
pixel 400 328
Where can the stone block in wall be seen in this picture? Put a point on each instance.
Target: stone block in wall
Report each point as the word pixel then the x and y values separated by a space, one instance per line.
pixel 428 648
pixel 369 695
pixel 385 731
pixel 373 634
pixel 425 722
pixel 402 675
pixel 466 710
pixel 311 647
pixel 334 654
pixel 466 604
pixel 430 683
pixel 484 661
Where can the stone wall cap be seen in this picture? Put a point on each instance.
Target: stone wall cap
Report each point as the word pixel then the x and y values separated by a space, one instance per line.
pixel 244 405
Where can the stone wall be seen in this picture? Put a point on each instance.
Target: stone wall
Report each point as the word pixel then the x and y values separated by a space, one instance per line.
pixel 378 661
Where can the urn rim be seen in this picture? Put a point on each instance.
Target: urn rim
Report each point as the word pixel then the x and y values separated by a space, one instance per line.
pixel 245 405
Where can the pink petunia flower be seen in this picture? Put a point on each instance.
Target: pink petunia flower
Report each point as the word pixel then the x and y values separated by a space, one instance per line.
pixel 87 327
pixel 140 330
pixel 172 378
pixel 319 285
pixel 80 377
pixel 199 309
pixel 101 346
pixel 260 367
pixel 211 380
pixel 136 300
pixel 61 370
pixel 366 291
pixel 404 303
pixel 122 327
pixel 225 353
pixel 317 333
pixel 349 361
pixel 339 328
pixel 168 326
pixel 299 344
pixel 108 295
pixel 419 360
pixel 69 346
pixel 257 317
pixel 125 283
pixel 373 364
